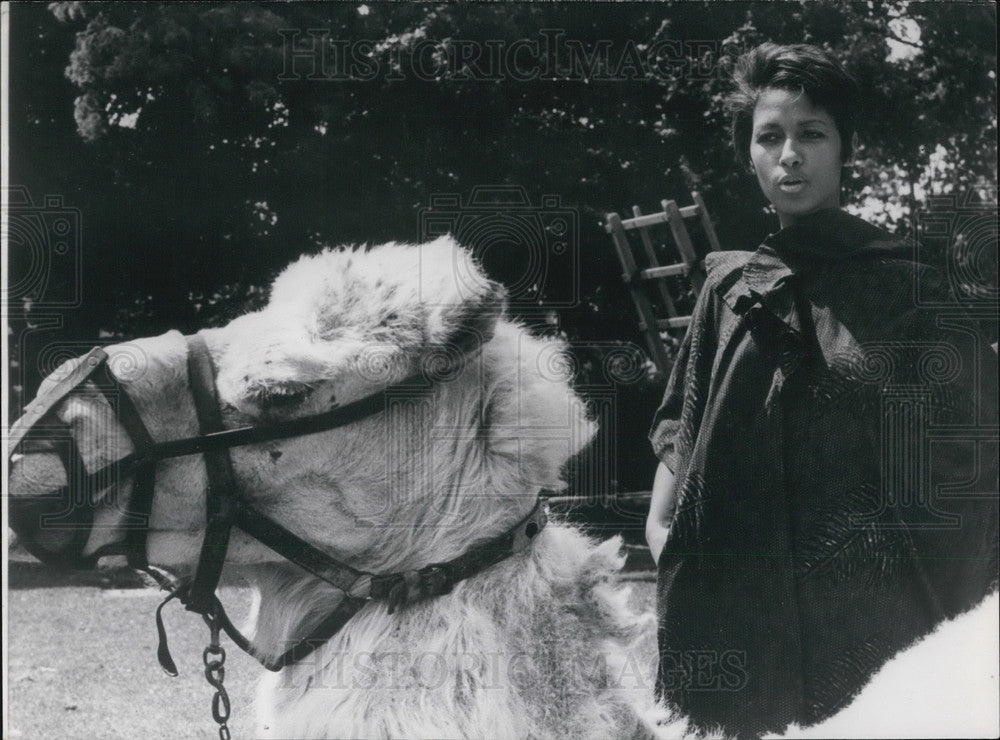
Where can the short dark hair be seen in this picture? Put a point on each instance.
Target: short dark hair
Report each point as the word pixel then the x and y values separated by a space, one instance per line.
pixel 796 67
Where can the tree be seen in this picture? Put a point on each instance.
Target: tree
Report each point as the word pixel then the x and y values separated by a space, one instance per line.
pixel 214 142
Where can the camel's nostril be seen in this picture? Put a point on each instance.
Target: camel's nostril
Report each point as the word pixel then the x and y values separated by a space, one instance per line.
pixel 276 455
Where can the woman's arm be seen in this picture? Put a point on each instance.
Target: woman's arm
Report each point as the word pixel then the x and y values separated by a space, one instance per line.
pixel 661 510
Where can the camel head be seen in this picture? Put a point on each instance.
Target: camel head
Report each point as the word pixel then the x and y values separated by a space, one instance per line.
pixel 438 469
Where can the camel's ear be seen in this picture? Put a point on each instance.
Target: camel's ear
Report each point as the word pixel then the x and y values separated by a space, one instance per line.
pixel 474 322
pixel 464 305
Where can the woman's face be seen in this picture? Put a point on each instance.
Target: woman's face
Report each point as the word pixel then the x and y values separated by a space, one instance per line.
pixel 795 151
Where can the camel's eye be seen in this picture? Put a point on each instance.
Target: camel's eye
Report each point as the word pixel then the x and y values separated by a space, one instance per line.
pixel 281 395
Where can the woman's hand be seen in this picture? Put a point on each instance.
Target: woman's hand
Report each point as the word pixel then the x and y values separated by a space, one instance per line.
pixel 661 511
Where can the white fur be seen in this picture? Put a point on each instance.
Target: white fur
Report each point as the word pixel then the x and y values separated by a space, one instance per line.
pixel 537 646
pixel 943 686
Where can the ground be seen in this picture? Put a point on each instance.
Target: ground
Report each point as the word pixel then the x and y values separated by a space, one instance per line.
pixel 82 661
pixel 82 664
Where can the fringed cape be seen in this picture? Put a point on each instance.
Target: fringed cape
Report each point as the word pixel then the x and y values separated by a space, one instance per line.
pixel 831 422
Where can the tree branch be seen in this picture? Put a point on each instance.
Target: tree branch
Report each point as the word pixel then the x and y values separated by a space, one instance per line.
pixel 913 44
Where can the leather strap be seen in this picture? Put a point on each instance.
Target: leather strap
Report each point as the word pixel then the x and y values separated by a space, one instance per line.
pixel 397 589
pixel 223 440
pixel 143 477
pixel 331 625
pixel 225 509
pixel 439 578
pixel 221 492
pixel 294 548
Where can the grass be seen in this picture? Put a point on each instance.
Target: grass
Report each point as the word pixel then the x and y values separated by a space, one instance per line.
pixel 82 664
pixel 82 661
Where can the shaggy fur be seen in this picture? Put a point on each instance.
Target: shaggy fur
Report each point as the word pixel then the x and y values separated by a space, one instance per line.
pixel 537 646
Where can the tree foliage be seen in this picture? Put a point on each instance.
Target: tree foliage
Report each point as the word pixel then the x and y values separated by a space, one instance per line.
pixel 204 154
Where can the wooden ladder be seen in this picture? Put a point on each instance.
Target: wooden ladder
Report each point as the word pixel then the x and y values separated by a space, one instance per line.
pixel 689 266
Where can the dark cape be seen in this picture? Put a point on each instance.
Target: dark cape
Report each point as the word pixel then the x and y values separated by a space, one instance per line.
pixel 831 422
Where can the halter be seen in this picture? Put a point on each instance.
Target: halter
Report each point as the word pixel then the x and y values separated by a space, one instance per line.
pixel 225 508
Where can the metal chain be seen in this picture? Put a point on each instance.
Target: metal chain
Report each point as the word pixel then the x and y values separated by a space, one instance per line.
pixel 214 658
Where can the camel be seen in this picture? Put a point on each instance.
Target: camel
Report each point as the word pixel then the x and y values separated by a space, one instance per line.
pixel 540 642
pixel 535 645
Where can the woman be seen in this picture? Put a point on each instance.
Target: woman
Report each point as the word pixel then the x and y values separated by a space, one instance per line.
pixel 806 524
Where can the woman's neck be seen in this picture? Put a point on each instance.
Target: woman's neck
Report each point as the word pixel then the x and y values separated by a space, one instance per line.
pixel 790 219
